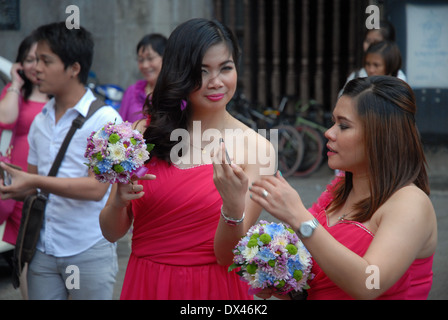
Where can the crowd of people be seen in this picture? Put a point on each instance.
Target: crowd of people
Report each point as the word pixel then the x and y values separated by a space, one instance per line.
pixel 187 216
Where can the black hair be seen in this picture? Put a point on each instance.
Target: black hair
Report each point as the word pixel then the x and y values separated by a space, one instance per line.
pixel 386 29
pixel 391 55
pixel 22 53
pixel 181 74
pixel 155 40
pixel 70 45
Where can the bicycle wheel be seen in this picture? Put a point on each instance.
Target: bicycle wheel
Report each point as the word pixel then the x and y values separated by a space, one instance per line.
pixel 313 153
pixel 290 149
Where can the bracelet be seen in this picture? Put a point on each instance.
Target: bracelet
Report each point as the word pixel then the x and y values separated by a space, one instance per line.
pixel 231 221
pixel 12 89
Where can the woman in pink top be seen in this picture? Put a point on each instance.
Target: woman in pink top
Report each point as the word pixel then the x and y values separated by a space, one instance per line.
pixel 20 102
pixel 373 233
pixel 150 51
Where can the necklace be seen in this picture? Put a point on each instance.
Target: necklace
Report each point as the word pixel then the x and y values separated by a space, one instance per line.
pixel 202 149
pixel 342 217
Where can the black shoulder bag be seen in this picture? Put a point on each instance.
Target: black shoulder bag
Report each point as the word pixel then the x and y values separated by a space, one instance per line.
pixel 33 210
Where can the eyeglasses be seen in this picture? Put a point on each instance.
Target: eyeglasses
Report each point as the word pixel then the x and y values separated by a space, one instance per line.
pixel 141 60
pixel 30 61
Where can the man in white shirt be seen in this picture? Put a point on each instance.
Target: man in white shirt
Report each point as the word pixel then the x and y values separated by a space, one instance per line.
pixel 72 257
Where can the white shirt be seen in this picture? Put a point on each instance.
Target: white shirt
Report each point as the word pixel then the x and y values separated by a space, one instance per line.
pixel 70 226
pixel 362 73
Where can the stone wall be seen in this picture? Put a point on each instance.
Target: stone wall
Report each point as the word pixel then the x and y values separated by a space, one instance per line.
pixel 117 26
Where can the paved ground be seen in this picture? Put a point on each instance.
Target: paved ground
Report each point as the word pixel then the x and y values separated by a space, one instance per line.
pixel 309 189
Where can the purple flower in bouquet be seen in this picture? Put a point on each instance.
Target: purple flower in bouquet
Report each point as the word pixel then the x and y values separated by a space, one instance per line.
pixel 116 152
pixel 272 255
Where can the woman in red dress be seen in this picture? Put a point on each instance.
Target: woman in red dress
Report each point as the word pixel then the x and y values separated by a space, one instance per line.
pixel 192 208
pixel 373 233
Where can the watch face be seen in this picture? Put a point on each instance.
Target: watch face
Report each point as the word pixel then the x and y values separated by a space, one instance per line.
pixel 306 230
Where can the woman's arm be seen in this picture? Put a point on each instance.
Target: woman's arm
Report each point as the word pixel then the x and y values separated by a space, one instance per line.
pixel 116 217
pixel 406 230
pixel 232 183
pixel 9 104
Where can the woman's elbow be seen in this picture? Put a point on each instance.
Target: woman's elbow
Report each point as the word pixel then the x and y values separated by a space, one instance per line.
pixel 109 237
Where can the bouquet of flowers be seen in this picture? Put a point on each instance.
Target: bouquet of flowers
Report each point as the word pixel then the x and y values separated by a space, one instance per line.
pixel 272 255
pixel 116 152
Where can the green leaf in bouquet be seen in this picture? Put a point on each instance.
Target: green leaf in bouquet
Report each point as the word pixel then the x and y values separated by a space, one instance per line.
pixel 149 147
pixel 232 266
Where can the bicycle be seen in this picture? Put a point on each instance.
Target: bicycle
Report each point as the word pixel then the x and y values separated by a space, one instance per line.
pixel 290 146
pixel 310 122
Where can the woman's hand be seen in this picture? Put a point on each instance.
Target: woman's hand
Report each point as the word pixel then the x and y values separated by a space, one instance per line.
pixel 230 181
pixel 277 197
pixel 267 293
pixel 16 79
pixel 130 191
pixel 115 218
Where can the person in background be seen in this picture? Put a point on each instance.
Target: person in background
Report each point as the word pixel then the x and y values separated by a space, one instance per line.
pixel 190 212
pixel 70 235
pixel 382 59
pixel 386 32
pixel 150 51
pixel 20 102
pixel 377 218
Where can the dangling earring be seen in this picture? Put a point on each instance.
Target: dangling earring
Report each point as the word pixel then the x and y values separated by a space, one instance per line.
pixel 183 105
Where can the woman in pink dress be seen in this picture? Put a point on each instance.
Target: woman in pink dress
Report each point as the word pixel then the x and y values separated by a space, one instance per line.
pixel 193 206
pixel 373 233
pixel 20 102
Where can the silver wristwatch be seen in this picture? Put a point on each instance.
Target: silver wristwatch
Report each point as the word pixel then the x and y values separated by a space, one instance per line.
pixel 306 229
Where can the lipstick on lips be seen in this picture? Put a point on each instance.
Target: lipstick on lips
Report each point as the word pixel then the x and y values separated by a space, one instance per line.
pixel 330 151
pixel 215 97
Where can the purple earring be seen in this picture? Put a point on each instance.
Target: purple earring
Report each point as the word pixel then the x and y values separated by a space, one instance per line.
pixel 183 105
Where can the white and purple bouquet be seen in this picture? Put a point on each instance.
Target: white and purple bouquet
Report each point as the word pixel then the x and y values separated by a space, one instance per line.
pixel 116 152
pixel 272 255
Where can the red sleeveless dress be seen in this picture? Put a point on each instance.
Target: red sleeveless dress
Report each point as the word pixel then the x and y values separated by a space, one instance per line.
pixel 172 246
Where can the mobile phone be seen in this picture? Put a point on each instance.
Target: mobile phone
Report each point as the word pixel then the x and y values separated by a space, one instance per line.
pixel 22 74
pixel 6 177
pixel 227 154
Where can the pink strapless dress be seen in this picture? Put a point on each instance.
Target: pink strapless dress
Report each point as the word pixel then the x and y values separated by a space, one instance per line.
pixel 415 284
pixel 172 245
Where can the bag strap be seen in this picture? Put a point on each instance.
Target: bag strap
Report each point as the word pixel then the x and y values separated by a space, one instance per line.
pixel 76 124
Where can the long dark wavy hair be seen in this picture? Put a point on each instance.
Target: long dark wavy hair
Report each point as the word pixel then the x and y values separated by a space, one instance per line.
pixel 181 74
pixel 386 106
